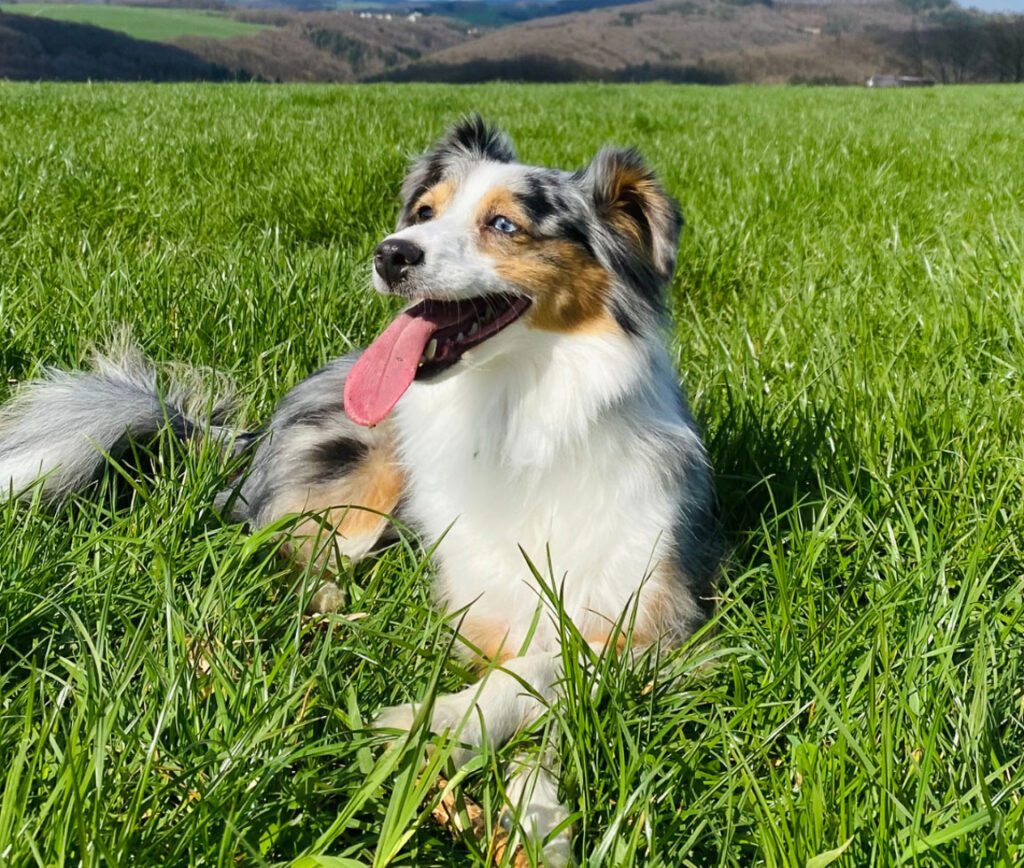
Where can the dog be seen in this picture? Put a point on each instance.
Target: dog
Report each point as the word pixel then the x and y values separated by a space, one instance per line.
pixel 523 404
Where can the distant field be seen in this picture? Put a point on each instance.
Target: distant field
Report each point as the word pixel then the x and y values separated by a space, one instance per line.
pixel 152 23
pixel 848 317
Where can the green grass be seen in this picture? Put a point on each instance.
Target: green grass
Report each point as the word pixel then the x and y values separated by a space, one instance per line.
pixel 142 22
pixel 849 322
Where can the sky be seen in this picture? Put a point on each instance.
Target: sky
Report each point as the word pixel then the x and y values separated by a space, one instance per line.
pixel 996 5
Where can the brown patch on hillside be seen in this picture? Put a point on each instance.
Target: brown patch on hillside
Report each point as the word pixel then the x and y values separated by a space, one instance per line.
pixel 326 46
pixel 835 60
pixel 675 33
pixel 723 41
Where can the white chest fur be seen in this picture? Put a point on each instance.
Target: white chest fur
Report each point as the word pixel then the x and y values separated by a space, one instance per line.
pixel 543 444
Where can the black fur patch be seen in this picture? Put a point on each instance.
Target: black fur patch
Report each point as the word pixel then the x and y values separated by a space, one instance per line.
pixel 329 458
pixel 577 233
pixel 626 318
pixel 475 137
pixel 639 275
pixel 536 201
pixel 470 139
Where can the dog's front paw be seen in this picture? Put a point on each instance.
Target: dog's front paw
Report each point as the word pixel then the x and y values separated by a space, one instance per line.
pixel 396 717
pixel 533 806
pixel 454 713
pixel 328 598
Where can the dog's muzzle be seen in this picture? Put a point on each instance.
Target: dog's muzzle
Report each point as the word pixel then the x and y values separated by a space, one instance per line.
pixel 394 257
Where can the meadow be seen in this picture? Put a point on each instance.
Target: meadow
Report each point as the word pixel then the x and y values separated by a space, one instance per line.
pixel 142 22
pixel 848 320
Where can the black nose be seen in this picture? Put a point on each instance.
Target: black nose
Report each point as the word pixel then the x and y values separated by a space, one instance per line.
pixel 393 257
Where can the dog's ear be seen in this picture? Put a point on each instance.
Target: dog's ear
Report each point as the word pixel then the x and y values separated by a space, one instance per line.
pixel 470 139
pixel 631 203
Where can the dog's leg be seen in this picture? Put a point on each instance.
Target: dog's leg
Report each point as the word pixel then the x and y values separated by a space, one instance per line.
pixel 315 460
pixel 327 598
pixel 531 791
pixel 533 805
pixel 495 708
pixel 506 700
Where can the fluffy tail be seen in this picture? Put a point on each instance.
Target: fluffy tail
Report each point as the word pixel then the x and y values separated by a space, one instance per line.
pixel 58 431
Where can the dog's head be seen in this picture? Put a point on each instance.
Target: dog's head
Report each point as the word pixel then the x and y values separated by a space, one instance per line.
pixel 484 241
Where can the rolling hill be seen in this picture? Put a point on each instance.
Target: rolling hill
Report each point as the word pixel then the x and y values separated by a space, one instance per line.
pixel 327 46
pixel 718 41
pixel 33 47
pixel 160 43
pixel 676 32
pixel 709 41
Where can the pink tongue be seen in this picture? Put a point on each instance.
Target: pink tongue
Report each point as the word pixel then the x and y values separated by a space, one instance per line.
pixel 387 367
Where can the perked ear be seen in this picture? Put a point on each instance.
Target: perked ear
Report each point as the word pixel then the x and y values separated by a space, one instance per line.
pixel 630 201
pixel 470 139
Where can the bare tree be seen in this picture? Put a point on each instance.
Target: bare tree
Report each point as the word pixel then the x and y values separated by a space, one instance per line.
pixel 954 53
pixel 1005 37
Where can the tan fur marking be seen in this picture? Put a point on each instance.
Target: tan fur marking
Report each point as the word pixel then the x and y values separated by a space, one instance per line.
pixel 377 484
pixel 633 188
pixel 600 641
pixel 346 507
pixel 658 616
pixel 569 288
pixel 438 197
pixel 489 640
pixel 603 325
pixel 655 615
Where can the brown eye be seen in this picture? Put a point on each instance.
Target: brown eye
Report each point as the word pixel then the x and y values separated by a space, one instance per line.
pixel 424 213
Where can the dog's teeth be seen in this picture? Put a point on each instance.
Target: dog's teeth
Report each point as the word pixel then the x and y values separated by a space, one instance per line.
pixel 473 329
pixel 431 350
pixel 460 337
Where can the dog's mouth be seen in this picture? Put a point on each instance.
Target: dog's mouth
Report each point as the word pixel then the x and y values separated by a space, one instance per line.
pixel 471 323
pixel 423 341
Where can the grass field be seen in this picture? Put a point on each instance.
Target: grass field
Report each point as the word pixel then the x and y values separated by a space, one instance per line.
pixel 141 22
pixel 849 323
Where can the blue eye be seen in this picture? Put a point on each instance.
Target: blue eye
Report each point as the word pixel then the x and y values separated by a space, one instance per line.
pixel 503 224
pixel 424 212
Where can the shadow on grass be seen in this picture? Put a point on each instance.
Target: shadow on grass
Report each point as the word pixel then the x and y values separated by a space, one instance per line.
pixel 765 464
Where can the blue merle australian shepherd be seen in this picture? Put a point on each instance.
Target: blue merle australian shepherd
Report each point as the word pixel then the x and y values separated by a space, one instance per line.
pixel 522 403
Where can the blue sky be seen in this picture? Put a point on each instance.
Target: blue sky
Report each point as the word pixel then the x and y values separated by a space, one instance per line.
pixel 996 5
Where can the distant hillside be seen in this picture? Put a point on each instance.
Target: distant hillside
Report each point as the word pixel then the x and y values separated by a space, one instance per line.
pixel 267 45
pixel 683 33
pixel 485 13
pixel 327 46
pixel 840 42
pixel 38 48
pixel 703 41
